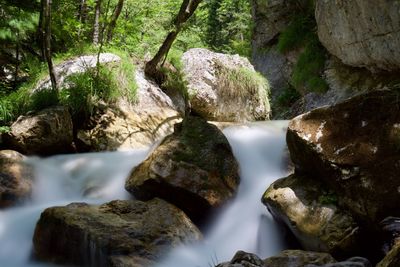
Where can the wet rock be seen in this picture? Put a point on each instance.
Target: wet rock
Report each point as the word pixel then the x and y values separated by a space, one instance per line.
pixel 15 178
pixel 287 258
pixel 129 126
pixel 118 233
pixel 215 95
pixel 48 131
pixel 310 211
pixel 361 33
pixel 193 168
pixel 353 148
pixel 390 232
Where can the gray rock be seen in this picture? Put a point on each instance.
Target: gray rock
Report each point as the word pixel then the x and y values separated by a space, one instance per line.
pixel 118 233
pixel 132 126
pixel 214 97
pixel 361 33
pixel 48 131
pixel 75 66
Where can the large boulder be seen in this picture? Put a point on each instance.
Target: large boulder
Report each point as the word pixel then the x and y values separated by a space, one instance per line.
pixel 16 178
pixel 311 213
pixel 361 33
pixel 75 66
pixel 119 233
pixel 353 148
pixel 128 126
pixel 193 168
pixel 225 87
pixel 48 131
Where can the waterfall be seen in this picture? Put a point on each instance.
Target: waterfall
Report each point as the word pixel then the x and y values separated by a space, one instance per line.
pixel 96 178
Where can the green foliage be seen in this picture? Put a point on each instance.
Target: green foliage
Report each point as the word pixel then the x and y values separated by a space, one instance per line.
pixel 328 198
pixel 229 26
pixel 4 129
pixel 307 72
pixel 296 34
pixel 289 96
pixel 43 99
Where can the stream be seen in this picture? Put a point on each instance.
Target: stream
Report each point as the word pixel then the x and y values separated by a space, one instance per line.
pixel 245 224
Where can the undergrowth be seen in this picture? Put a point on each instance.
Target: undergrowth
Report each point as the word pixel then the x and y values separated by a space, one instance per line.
pixel 81 92
pixel 301 34
pixel 241 88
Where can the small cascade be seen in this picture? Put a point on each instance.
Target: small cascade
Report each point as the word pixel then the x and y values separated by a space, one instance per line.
pixel 245 224
pixel 97 178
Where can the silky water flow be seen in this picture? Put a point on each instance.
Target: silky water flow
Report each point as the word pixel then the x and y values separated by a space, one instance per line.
pixel 244 224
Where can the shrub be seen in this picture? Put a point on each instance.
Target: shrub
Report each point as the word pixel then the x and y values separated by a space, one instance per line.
pixel 296 34
pixel 307 71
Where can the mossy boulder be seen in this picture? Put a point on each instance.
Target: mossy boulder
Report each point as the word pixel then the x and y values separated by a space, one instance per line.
pixel 353 148
pixel 225 87
pixel 118 233
pixel 193 168
pixel 310 211
pixel 16 178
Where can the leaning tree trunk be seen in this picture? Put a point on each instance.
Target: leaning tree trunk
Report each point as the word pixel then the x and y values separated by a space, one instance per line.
pixel 96 25
pixel 114 18
pixel 185 12
pixel 46 6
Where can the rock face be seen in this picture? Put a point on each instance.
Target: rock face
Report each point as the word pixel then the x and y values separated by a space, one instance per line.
pixel 353 148
pixel 15 178
pixel 119 233
pixel 193 168
pixel 48 131
pixel 361 33
pixel 311 213
pixel 224 87
pixel 132 126
pixel 270 19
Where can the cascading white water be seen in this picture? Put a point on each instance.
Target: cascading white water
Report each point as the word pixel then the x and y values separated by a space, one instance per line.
pixel 99 177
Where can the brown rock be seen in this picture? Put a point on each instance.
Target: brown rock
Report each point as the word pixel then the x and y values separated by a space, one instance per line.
pixel 311 213
pixel 15 178
pixel 353 148
pixel 119 233
pixel 48 131
pixel 193 168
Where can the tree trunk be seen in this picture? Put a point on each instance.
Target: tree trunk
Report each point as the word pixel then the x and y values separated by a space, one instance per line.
pixel 114 18
pixel 40 31
pixel 96 25
pixel 47 41
pixel 185 12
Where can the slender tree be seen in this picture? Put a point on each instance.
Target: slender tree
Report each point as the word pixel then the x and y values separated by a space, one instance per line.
pixel 46 37
pixel 114 18
pixel 186 10
pixel 96 24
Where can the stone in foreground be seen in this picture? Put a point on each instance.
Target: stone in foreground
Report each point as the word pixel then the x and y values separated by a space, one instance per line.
pixel 194 169
pixel 353 148
pixel 311 213
pixel 16 178
pixel 48 131
pixel 115 234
